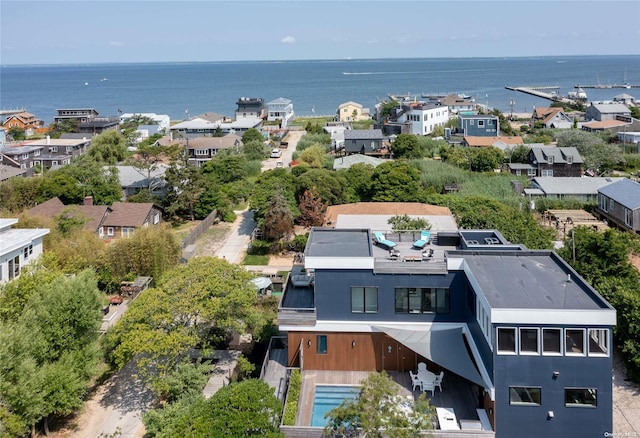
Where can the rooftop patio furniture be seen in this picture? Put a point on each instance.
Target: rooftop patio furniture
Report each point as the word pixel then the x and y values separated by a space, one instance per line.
pixel 427 254
pixel 426 386
pixel 422 366
pixel 438 381
pixel 382 240
pixel 425 237
pixel 415 381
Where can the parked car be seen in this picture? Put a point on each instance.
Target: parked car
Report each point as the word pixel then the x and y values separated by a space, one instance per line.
pixel 276 153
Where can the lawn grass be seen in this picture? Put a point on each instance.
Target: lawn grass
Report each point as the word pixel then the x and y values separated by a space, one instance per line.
pixel 256 260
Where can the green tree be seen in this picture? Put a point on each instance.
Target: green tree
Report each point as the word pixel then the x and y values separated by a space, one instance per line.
pixel 252 135
pixel 191 304
pixel 185 186
pixel 266 185
pixel 108 148
pixel 63 127
pixel 313 156
pixel 255 150
pixel 395 181
pixel 224 169
pixel 376 412
pixel 278 219
pixel 595 152
pixel 240 409
pixel 386 108
pixel 16 133
pixel 16 194
pixel 358 179
pixel 406 146
pixel 326 183
pixel 313 128
pixel 517 154
pixel 150 251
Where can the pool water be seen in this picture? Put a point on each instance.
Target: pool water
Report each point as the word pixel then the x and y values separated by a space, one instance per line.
pixel 328 397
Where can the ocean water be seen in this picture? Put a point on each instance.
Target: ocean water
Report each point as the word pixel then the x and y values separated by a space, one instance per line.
pixel 315 87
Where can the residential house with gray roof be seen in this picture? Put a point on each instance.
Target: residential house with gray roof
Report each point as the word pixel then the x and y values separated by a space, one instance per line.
pixel 362 141
pixel 523 342
pixel 555 161
pixel 18 248
pixel 203 149
pixel 607 111
pixel 619 204
pixel 584 189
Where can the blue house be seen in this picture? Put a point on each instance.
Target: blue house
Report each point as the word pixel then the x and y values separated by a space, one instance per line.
pixel 478 125
pixel 524 342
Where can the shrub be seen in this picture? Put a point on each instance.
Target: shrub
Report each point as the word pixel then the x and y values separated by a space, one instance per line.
pixel 259 247
pixel 291 408
pixel 298 243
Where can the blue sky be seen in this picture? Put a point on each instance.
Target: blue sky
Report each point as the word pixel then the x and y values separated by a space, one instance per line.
pixel 61 32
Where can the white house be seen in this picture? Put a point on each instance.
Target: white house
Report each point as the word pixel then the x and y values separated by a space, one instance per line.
pixel 425 117
pixel 280 109
pixel 18 248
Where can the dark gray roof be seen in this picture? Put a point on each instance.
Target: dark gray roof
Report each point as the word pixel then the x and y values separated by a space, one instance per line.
pixel 559 154
pixel 625 192
pixel 345 242
pixel 531 280
pixel 363 134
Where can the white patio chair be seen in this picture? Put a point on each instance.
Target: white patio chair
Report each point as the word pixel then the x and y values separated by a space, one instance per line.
pixel 415 381
pixel 439 379
pixel 429 386
pixel 422 366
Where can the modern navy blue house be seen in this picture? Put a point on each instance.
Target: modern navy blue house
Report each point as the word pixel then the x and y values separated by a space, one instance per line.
pixel 527 336
pixel 478 125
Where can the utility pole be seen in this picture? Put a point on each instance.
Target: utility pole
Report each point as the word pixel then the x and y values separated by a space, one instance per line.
pixel 512 102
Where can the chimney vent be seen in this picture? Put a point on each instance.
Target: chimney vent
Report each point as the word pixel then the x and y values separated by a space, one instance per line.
pixel 88 200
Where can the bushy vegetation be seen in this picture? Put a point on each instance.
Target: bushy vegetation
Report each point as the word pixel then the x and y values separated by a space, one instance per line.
pixel 603 260
pixel 293 394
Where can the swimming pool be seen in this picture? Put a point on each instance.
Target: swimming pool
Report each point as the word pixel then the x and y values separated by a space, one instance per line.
pixel 328 397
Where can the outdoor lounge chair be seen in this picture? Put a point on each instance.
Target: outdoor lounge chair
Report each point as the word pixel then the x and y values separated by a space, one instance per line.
pixel 425 237
pixel 383 241
pixel 439 378
pixel 415 381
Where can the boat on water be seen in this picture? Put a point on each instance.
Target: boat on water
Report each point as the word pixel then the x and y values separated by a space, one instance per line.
pixel 578 94
pixel 104 79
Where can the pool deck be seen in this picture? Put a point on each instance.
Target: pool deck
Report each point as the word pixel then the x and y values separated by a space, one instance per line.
pixel 457 392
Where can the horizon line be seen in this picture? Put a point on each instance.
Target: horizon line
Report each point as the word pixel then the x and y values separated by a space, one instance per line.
pixel 305 60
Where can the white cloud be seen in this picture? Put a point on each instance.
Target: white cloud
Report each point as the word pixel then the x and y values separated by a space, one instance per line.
pixel 116 43
pixel 288 40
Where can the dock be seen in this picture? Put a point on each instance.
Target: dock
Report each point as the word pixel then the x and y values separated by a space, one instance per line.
pixel 607 86
pixel 539 92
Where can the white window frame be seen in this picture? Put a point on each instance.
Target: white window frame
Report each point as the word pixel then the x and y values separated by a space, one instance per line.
pixel 552 353
pixel 201 152
pixel 603 203
pixel 529 353
pixel 584 342
pixel 127 231
pixel 480 123
pixel 569 159
pixel 550 159
pixel 110 231
pixel 515 338
pixel 531 172
pixel 606 340
pixel 546 172
pixel 628 217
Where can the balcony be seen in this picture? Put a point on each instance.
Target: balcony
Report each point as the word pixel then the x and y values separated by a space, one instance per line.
pixel 297 305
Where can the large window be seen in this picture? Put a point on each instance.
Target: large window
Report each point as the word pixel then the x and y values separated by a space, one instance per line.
pixel 581 397
pixel 598 342
pixel 574 341
pixel 364 300
pixel 422 300
pixel 551 341
pixel 506 340
pixel 321 342
pixel 525 396
pixel 529 341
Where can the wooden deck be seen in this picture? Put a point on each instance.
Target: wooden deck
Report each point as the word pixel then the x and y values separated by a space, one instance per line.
pixel 457 393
